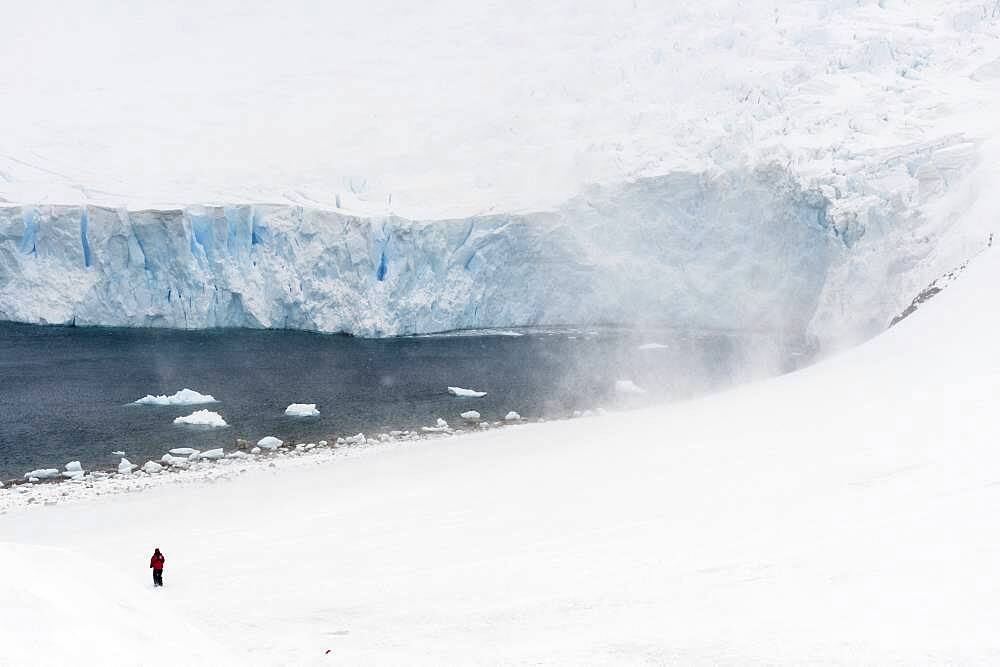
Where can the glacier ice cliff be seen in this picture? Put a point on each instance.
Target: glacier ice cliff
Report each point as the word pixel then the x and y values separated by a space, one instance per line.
pixel 747 250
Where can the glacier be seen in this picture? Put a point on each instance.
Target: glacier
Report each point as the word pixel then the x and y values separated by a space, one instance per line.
pixel 746 250
pixel 441 178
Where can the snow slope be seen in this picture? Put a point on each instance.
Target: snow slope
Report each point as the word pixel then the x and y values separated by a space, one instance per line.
pixel 351 120
pixel 79 611
pixel 836 515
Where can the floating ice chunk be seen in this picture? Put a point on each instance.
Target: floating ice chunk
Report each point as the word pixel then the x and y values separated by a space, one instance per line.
pixel 441 426
pixel 125 466
pixel 121 453
pixel 323 443
pixel 202 418
pixel 73 474
pixel 174 461
pixel 255 450
pixel 465 393
pixel 628 387
pixel 183 451
pixel 302 410
pixel 269 442
pixel 471 416
pixel 653 346
pixel 42 473
pixel 152 467
pixel 183 397
pixel 512 417
pixel 213 454
pixel 358 439
pixel 74 466
pixel 237 454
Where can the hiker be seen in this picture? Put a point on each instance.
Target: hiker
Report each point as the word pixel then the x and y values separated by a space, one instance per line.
pixel 156 562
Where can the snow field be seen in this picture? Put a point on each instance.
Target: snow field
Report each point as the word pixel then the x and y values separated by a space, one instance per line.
pixel 437 562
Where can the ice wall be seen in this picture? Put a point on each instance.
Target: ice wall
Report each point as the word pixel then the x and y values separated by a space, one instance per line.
pixel 747 250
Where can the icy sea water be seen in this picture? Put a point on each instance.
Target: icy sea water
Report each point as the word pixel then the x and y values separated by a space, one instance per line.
pixel 65 392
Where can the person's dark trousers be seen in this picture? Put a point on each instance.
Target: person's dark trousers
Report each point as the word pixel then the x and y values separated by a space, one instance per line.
pixel 157 577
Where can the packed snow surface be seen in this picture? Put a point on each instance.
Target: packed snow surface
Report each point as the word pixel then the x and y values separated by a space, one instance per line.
pixel 465 393
pixel 183 397
pixel 202 418
pixel 846 533
pixel 302 410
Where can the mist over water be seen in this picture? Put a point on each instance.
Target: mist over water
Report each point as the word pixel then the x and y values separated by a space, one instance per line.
pixel 66 393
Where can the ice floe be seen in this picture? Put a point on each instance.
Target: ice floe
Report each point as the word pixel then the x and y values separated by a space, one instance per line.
pixel 471 416
pixel 42 473
pixel 202 418
pixel 302 410
pixel 269 442
pixel 213 454
pixel 512 417
pixel 628 387
pixel 183 397
pixel 653 346
pixel 125 466
pixel 465 393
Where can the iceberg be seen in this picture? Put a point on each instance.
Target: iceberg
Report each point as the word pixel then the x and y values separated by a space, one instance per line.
pixel 302 410
pixel 202 418
pixel 512 417
pixel 213 454
pixel 471 416
pixel 465 393
pixel 183 397
pixel 125 467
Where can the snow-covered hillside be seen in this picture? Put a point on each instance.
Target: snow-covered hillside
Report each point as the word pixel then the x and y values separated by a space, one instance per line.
pixel 836 515
pixel 479 114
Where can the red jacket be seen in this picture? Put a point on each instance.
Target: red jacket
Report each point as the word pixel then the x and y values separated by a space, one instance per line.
pixel 157 561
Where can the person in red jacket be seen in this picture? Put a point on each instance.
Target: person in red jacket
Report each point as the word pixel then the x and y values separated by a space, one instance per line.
pixel 156 562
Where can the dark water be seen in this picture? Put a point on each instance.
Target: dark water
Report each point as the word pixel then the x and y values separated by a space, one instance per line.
pixel 65 393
